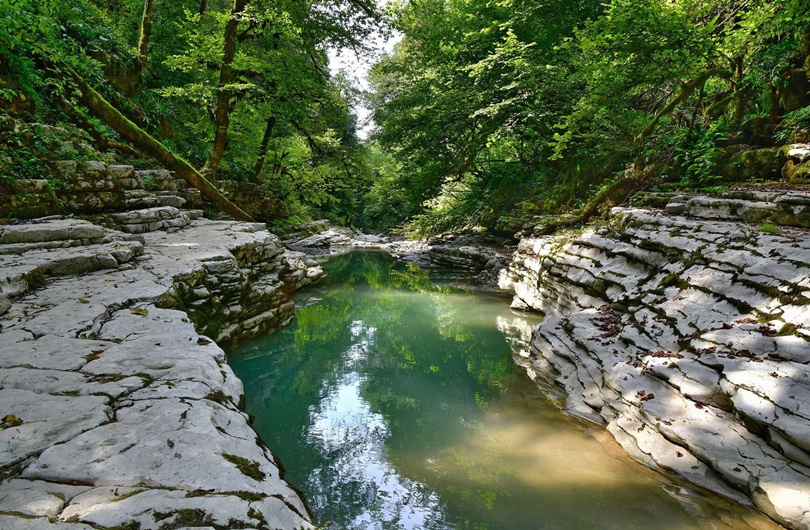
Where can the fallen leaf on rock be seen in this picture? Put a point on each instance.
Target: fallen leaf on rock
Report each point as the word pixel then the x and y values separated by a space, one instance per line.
pixel 202 341
pixel 9 420
pixel 140 311
pixel 84 300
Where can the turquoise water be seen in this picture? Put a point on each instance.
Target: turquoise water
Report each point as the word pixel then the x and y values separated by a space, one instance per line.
pixel 394 403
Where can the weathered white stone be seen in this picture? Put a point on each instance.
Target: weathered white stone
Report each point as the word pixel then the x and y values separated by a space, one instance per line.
pixel 46 420
pixel 699 363
pixel 152 509
pixel 153 403
pixel 54 230
pixel 46 352
pixel 129 452
pixel 9 522
pixel 32 503
pixel 57 382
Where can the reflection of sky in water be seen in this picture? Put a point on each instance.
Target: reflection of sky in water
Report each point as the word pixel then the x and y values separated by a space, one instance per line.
pixel 395 406
pixel 352 438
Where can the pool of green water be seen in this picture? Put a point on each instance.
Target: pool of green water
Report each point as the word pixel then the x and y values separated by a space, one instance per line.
pixel 394 403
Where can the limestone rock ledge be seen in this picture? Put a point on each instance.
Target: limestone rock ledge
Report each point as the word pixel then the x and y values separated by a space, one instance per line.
pixel 690 340
pixel 116 412
pixel 465 253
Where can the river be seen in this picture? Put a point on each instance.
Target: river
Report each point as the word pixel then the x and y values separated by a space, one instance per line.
pixel 394 402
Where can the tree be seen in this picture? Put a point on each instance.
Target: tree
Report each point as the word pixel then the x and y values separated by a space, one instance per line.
pixel 255 69
pixel 487 104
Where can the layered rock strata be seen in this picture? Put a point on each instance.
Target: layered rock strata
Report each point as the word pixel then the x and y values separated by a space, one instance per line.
pixel 461 252
pixel 116 412
pixel 94 187
pixel 464 253
pixel 777 207
pixel 689 339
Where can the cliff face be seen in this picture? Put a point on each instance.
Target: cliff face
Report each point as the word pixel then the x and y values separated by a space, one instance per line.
pixel 690 339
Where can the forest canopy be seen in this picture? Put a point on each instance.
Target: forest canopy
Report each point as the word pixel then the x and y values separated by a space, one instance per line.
pixel 496 106
pixel 487 112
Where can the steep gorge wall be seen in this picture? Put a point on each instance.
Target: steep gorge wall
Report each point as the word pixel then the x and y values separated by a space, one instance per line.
pixel 689 338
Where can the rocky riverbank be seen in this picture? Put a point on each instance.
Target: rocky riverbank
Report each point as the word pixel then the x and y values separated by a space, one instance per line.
pixel 117 410
pixel 473 258
pixel 688 338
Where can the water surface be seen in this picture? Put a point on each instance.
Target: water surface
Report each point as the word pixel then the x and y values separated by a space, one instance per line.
pixel 394 403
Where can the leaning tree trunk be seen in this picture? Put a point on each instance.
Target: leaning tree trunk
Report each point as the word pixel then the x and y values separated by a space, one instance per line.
pixel 687 89
pixel 133 134
pixel 83 122
pixel 222 117
pixel 634 180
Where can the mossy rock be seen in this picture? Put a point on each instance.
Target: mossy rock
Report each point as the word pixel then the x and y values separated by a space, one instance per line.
pixel 800 136
pixel 796 173
pixel 751 165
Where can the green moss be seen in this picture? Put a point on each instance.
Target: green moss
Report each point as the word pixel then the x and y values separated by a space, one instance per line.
pixel 249 468
pixel 11 470
pixel 768 228
pixel 772 291
pixel 120 498
pixel 787 329
pixel 259 516
pixel 218 396
pixel 186 517
pixel 249 496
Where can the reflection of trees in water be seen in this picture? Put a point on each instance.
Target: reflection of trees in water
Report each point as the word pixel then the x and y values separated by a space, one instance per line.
pixel 435 363
pixel 392 400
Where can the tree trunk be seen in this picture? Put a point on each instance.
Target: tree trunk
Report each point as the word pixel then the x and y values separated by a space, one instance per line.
pixel 686 90
pixel 617 192
pixel 203 7
pixel 268 133
pixel 130 132
pixel 102 141
pixel 739 93
pixel 146 35
pixel 222 117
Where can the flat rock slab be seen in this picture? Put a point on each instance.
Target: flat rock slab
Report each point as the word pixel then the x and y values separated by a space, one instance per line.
pixel 53 230
pixel 688 338
pixel 116 411
pixel 46 420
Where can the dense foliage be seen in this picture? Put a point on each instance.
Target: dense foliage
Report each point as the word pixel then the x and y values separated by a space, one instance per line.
pixel 239 88
pixel 487 104
pixel 489 112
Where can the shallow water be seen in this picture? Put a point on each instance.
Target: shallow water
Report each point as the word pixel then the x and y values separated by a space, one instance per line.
pixel 394 403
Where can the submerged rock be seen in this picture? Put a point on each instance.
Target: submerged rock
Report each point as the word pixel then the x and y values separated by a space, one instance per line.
pixel 689 339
